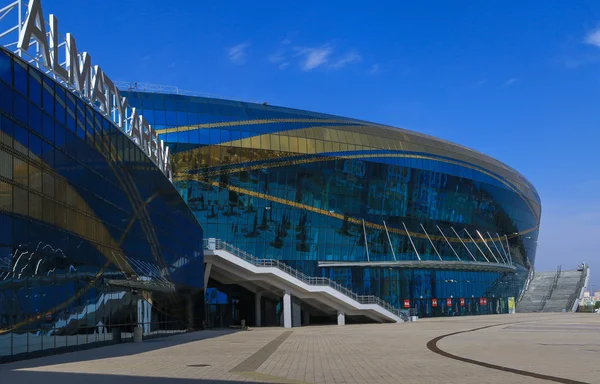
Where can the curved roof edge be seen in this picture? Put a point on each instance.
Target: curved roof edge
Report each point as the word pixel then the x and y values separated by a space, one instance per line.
pixel 428 138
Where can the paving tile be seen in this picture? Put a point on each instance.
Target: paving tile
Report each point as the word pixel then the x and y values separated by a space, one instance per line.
pixel 561 345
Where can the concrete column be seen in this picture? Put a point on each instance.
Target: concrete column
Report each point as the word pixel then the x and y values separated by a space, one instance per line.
pixel 257 309
pixel 287 310
pixel 306 318
pixel 207 268
pixel 296 313
pixel 341 318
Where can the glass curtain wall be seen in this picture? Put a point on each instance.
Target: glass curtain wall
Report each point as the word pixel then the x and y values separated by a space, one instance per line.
pixel 80 207
pixel 305 188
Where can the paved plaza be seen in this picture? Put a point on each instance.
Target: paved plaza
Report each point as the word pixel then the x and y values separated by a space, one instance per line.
pixel 520 348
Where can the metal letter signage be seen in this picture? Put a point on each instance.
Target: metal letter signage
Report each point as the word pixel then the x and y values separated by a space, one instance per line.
pixel 89 81
pixel 35 28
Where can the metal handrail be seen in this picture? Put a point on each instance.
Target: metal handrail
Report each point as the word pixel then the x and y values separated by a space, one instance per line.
pixel 530 277
pixel 549 294
pixel 310 280
pixel 575 296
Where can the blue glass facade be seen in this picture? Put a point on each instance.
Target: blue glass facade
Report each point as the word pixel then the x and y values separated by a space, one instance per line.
pixel 85 219
pixel 309 188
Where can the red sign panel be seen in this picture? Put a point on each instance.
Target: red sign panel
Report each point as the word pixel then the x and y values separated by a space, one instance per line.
pixel 449 302
pixel 485 301
pixel 481 301
pixel 406 303
pixel 462 302
pixel 434 303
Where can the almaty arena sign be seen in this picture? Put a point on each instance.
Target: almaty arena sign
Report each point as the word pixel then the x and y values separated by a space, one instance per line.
pixel 44 46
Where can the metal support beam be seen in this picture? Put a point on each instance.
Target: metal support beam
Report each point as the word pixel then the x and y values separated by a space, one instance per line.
pixel 389 240
pixel 411 242
pixel 495 246
pixel 487 246
pixel 502 245
pixel 9 31
pixel 20 10
pixel 508 249
pixel 431 242
pixel 450 245
pixel 423 264
pixel 471 237
pixel 463 243
pixel 366 243
pixel 8 8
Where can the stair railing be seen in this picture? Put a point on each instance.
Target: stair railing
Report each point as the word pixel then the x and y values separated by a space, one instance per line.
pixel 310 280
pixel 552 287
pixel 530 276
pixel 576 296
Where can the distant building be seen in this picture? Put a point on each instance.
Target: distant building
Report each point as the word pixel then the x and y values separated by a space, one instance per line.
pixel 588 299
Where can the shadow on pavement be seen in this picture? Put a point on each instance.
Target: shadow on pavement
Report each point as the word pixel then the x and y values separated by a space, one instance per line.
pixel 112 351
pixel 18 377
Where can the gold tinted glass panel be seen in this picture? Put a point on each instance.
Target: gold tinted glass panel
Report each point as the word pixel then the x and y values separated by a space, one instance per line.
pixel 35 206
pixel 35 178
pixel 6 164
pixel 6 200
pixel 48 208
pixel 20 171
pixel 20 201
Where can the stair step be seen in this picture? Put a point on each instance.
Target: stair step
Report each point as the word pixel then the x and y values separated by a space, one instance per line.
pixel 541 285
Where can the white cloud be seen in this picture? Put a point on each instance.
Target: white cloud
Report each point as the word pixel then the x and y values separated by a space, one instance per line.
pixel 593 38
pixel 581 60
pixel 509 82
pixel 277 57
pixel 310 58
pixel 350 57
pixel 237 53
pixel 375 69
pixel 313 57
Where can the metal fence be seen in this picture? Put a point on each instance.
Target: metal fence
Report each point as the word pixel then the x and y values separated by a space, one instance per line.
pixel 310 280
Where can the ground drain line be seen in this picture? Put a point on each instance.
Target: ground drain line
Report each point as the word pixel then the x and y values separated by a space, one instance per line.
pixel 432 346
pixel 252 363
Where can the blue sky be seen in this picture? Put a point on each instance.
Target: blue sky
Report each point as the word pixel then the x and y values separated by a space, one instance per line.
pixel 517 80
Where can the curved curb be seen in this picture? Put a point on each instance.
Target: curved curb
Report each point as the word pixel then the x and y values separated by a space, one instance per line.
pixel 433 347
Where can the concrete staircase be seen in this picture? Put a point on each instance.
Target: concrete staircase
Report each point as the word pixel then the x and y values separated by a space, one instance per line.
pixel 565 288
pixel 541 297
pixel 229 261
pixel 538 288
